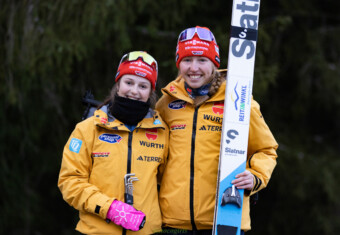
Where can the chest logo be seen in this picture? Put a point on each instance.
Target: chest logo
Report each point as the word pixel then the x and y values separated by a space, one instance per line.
pixel 100 154
pixel 177 104
pixel 178 127
pixel 110 138
pixel 103 120
pixel 218 107
pixel 151 134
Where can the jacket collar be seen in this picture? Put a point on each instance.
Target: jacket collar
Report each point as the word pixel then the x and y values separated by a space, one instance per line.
pixel 104 119
pixel 177 90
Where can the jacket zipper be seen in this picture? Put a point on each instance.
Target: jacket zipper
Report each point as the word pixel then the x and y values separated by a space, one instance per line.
pixel 128 170
pixel 192 168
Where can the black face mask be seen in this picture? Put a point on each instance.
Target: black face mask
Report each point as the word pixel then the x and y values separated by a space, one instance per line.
pixel 129 111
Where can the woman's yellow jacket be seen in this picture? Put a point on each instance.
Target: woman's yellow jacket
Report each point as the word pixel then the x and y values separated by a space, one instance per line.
pixel 188 187
pixel 98 154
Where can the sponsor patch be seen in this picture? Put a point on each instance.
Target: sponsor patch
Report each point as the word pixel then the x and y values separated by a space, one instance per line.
pixel 178 127
pixel 211 128
pixel 110 138
pixel 231 134
pixel 157 122
pixel 240 101
pixel 172 88
pixel 149 159
pixel 100 154
pixel 177 104
pixel 151 134
pixel 140 74
pixel 103 120
pixel 151 145
pixel 234 152
pixel 217 49
pixel 75 145
pixel 218 107
pixel 217 59
pixel 212 118
pixel 197 52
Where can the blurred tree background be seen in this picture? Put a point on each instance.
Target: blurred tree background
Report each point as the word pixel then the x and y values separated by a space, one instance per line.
pixel 51 52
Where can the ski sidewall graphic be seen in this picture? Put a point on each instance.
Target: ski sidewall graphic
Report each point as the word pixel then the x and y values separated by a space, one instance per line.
pixel 235 126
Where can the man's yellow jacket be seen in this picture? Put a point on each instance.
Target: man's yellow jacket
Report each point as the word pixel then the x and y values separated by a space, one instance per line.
pixel 188 188
pixel 98 154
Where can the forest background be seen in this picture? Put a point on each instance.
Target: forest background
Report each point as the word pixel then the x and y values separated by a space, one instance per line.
pixel 51 52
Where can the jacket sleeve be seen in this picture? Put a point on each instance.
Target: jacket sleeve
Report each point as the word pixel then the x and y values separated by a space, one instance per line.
pixel 162 166
pixel 75 172
pixel 160 109
pixel 261 149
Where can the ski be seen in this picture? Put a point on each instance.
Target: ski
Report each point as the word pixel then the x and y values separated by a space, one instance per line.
pixel 236 116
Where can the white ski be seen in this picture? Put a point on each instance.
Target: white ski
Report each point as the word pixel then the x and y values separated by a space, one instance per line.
pixel 235 126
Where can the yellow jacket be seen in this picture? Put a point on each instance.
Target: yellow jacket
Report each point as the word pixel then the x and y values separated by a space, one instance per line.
pixel 99 152
pixel 188 187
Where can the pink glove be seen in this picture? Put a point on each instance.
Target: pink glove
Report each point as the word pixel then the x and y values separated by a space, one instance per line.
pixel 126 216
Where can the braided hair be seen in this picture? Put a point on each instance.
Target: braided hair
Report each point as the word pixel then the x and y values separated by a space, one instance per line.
pixel 217 78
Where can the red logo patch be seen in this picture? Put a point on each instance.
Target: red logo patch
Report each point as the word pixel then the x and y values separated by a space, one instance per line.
pixel 178 127
pixel 218 107
pixel 103 120
pixel 151 134
pixel 172 88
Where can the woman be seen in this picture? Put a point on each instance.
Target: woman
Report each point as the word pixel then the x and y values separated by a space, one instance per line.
pixel 192 106
pixel 112 160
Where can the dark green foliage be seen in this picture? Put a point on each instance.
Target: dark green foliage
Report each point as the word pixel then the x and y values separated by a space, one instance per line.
pixel 52 51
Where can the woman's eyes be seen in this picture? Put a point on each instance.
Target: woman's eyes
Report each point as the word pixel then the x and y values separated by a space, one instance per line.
pixel 203 60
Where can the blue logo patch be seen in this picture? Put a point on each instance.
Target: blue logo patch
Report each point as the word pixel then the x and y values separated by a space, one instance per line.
pixel 75 145
pixel 110 138
pixel 237 96
pixel 157 122
pixel 197 52
pixel 140 74
pixel 177 104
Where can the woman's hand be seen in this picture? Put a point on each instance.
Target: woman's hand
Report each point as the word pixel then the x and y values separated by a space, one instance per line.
pixel 244 180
